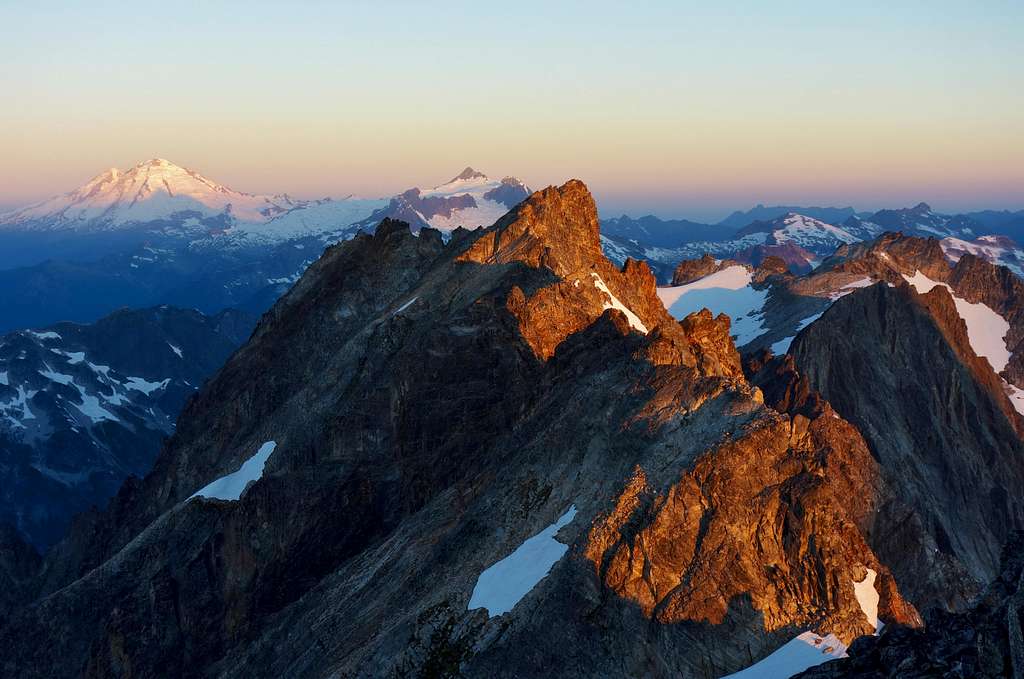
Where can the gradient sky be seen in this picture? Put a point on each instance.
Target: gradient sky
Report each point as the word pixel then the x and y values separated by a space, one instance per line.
pixel 670 108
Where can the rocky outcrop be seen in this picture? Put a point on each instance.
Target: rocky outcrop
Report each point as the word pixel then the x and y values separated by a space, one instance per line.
pixel 433 406
pixel 770 266
pixel 984 642
pixel 509 193
pixel 690 270
pixel 795 258
pixel 888 256
pixel 783 387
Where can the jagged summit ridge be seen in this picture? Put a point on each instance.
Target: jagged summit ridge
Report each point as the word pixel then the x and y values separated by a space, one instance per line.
pixel 557 226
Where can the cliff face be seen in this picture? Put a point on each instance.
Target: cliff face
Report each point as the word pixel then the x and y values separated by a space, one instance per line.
pixel 434 408
pixel 690 270
pixel 899 366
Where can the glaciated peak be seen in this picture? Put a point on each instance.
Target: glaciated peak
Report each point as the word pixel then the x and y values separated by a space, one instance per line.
pixel 159 167
pixel 153 190
pixel 468 173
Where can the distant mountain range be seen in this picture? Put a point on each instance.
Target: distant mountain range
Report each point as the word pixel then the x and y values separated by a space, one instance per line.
pixel 161 234
pixel 798 237
pixel 664 233
pixel 761 213
pixel 159 203
pixel 82 407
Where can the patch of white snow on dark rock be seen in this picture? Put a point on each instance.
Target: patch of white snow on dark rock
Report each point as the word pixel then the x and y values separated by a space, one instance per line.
pixel 614 303
pixel 232 486
pixel 805 650
pixel 501 586
pixel 867 597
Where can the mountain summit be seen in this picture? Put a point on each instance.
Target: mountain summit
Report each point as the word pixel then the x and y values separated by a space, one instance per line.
pixel 468 173
pixel 153 190
pixel 471 199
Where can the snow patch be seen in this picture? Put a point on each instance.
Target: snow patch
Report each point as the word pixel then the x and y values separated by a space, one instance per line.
pixel 1016 396
pixel 406 305
pixel 59 378
pixel 99 369
pixel 501 586
pixel 614 303
pixel 867 597
pixel 232 486
pixel 21 403
pixel 805 650
pixel 850 287
pixel 44 335
pixel 782 346
pixel 146 387
pixel 91 408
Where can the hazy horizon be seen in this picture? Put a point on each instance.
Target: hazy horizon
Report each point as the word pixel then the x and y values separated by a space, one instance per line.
pixel 633 206
pixel 682 112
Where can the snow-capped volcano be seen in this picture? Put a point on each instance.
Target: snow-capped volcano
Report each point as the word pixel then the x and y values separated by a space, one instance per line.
pixel 153 190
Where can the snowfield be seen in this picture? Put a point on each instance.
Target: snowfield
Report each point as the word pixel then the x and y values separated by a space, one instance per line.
pixel 724 292
pixel 986 330
pixel 805 650
pixel 501 586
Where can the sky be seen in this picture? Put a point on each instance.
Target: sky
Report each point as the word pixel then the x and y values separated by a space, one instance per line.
pixel 670 108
